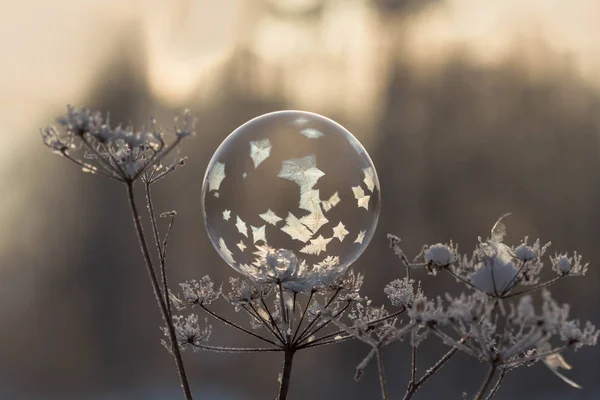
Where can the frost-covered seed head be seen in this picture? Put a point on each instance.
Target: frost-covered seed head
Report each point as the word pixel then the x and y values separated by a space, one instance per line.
pixel 401 292
pixel 495 276
pixel 564 264
pixel 439 255
pixel 525 253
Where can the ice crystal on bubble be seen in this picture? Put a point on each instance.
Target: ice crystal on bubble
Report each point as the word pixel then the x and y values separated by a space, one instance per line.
pixel 291 186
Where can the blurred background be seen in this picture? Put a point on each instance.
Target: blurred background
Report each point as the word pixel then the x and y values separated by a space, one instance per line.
pixel 469 109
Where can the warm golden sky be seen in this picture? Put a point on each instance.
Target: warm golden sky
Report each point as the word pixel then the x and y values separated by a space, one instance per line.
pixel 52 50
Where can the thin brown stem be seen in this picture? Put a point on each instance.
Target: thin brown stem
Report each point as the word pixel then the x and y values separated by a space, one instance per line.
pixel 323 325
pixel 320 342
pixel 270 325
pixel 220 349
pixel 496 387
pixel 381 370
pixel 286 374
pixel 536 287
pixel 157 293
pixel 486 382
pixel 91 168
pixel 304 311
pixel 159 247
pixel 305 333
pixel 271 320
pixel 430 372
pixel 236 326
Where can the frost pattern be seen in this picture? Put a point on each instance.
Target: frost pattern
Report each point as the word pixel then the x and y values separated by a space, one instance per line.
pixel 332 202
pixel 312 133
pixel 260 150
pixel 296 229
pixel 226 215
pixel 309 200
pixel 360 237
pixel 258 234
pixel 316 246
pixel 270 217
pixel 241 226
pixel 369 178
pixel 216 176
pixel 315 220
pixel 303 171
pixel 363 199
pixel 340 231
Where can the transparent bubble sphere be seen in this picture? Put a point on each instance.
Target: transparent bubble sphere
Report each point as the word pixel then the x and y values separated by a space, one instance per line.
pixel 290 195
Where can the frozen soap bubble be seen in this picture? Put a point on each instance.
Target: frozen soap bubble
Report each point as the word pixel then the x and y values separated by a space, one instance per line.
pixel 291 197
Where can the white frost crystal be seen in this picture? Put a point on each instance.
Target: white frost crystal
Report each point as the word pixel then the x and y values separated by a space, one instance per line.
pixel 439 255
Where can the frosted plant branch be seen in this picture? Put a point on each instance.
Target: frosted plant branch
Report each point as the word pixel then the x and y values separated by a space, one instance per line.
pixel 486 382
pixel 160 247
pixel 496 387
pixel 122 154
pixel 495 322
pixel 412 389
pixel 174 346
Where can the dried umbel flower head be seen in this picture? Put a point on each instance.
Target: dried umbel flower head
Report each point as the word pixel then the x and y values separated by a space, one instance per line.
pixel 188 332
pixel 565 265
pixel 119 153
pixel 440 255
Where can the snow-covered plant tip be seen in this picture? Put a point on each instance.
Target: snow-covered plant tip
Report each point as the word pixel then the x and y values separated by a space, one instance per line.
pixel 291 307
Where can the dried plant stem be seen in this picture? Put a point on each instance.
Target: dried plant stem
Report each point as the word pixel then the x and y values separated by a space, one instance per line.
pixel 304 311
pixel 159 247
pixel 534 288
pixel 158 294
pixel 306 332
pixel 497 385
pixel 486 382
pixel 286 374
pixel 236 326
pixel 381 371
pixel 412 389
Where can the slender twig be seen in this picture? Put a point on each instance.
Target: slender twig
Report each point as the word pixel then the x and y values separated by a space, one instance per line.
pixel 463 280
pixel 157 156
pixel 430 372
pixel 286 374
pixel 311 323
pixel 319 342
pixel 236 326
pixel 515 279
pixel 271 320
pixel 220 349
pixel 284 314
pixel 413 350
pixel 159 247
pixel 323 325
pixel 253 312
pixel 100 159
pixel 380 368
pixel 91 168
pixel 279 334
pixel 536 357
pixel 157 293
pixel 304 311
pixel 452 342
pixel 532 289
pixel 494 390
pixel 486 382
